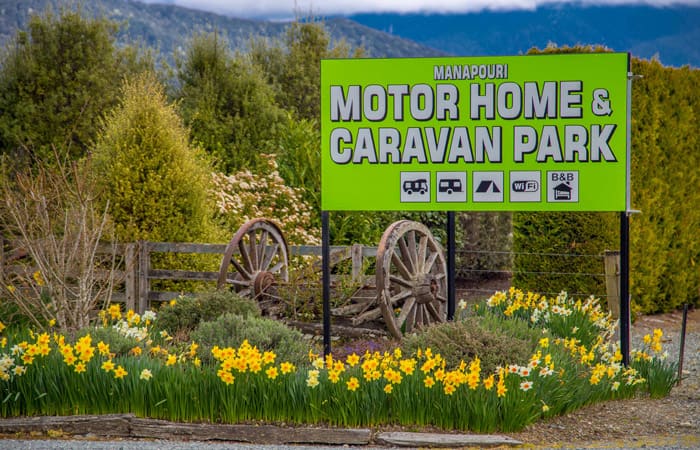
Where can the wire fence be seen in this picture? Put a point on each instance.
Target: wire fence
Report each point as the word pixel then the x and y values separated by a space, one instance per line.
pixel 481 272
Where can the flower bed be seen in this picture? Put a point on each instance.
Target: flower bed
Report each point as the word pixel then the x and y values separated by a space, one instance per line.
pixel 48 373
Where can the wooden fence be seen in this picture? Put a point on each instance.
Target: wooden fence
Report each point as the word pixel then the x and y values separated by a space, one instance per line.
pixel 139 276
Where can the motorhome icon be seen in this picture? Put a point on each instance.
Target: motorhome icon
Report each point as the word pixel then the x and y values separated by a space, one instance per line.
pixel 419 186
pixel 450 185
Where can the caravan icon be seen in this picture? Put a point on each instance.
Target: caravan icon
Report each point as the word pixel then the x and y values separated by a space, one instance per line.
pixel 450 185
pixel 419 186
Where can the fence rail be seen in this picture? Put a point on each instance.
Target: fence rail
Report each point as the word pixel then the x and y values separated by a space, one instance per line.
pixel 139 276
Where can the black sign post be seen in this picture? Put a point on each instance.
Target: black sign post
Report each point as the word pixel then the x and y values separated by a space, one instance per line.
pixel 451 290
pixel 326 269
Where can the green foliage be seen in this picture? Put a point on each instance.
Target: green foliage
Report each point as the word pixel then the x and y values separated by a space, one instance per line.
pixel 299 159
pixel 119 344
pixel 557 252
pixel 664 246
pixel 496 342
pixel 186 313
pixel 227 104
pixel 230 330
pixel 294 67
pixel 155 182
pixel 57 78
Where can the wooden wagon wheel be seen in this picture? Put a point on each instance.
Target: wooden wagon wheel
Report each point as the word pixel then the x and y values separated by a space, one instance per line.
pixel 255 259
pixel 411 277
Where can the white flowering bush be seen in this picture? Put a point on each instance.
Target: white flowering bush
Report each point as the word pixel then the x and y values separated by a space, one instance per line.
pixel 244 195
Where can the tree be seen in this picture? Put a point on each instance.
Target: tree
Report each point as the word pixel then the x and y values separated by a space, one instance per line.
pixel 155 181
pixel 294 68
pixel 56 79
pixel 227 104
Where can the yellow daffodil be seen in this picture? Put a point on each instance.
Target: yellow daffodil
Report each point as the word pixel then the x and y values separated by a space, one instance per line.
pixel 352 384
pixel 103 348
pixel 353 360
pixel 119 372
pixel 108 365
pixel 145 375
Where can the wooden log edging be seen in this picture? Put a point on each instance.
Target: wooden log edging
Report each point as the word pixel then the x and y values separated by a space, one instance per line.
pixel 130 426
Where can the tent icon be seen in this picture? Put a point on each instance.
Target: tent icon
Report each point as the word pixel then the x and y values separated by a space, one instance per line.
pixel 488 186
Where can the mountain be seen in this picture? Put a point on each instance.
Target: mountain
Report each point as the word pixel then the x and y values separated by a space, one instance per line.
pixel 669 33
pixel 167 27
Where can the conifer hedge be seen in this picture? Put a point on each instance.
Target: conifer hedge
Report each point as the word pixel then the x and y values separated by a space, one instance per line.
pixel 664 243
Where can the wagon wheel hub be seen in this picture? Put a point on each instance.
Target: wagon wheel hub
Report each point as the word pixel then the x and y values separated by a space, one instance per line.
pixel 425 289
pixel 262 282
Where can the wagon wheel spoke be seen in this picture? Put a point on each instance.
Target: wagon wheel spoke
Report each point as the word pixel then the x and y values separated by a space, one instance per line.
pixel 442 298
pixel 242 283
pixel 262 248
pixel 433 312
pixel 413 253
pixel 402 269
pixel 269 252
pixel 405 311
pixel 253 250
pixel 430 262
pixel 403 295
pixel 426 315
pixel 278 267
pixel 407 258
pixel 401 281
pixel 245 256
pixel 241 270
pixel 410 320
pixel 422 252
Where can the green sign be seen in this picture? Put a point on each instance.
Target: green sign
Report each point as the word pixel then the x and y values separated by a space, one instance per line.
pixel 519 133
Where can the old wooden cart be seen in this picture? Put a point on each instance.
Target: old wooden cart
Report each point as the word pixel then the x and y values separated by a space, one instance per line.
pixel 407 291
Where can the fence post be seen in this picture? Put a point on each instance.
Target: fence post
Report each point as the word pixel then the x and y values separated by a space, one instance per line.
pixel 612 281
pixel 356 255
pixel 2 260
pixel 144 268
pixel 131 276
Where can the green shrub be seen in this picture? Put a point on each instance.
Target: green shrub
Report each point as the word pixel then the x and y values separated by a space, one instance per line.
pixel 230 330
pixel 118 343
pixel 186 313
pixel 495 342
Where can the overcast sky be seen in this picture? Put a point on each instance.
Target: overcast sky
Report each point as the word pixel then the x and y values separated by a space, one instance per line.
pixel 286 8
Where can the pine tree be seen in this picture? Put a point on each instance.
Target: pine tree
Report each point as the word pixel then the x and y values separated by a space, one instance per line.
pixel 155 181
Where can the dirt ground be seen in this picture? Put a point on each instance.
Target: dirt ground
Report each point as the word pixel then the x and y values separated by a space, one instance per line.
pixel 674 420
